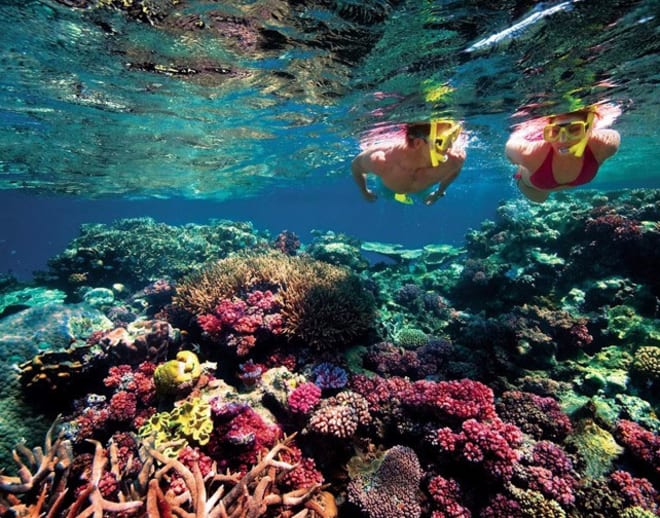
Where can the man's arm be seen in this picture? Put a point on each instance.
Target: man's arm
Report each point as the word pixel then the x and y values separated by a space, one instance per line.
pixel 457 158
pixel 360 171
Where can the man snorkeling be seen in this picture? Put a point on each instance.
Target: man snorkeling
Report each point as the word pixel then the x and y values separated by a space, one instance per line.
pixel 569 154
pixel 414 164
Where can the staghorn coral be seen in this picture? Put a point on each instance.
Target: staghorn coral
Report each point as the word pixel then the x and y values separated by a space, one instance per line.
pixel 391 490
pixel 321 305
pixel 254 493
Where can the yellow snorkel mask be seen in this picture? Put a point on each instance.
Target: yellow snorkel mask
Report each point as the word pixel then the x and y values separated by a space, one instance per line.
pixel 441 141
pixel 571 131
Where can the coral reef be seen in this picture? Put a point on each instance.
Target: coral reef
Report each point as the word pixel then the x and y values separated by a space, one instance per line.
pixel 516 378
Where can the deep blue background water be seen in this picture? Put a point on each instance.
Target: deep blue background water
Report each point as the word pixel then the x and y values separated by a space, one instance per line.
pixel 36 227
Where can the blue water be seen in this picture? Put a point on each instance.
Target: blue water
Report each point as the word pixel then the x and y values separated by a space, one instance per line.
pixel 91 129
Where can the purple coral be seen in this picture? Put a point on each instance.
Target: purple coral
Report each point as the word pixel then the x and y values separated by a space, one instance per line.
pixel 329 376
pixel 392 490
pixel 541 417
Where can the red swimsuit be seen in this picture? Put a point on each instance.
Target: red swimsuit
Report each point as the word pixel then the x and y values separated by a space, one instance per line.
pixel 544 179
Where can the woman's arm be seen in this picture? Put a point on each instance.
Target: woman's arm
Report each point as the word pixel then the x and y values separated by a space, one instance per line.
pixel 518 149
pixel 604 143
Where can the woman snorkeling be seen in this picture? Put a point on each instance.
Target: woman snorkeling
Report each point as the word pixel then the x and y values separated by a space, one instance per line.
pixel 570 151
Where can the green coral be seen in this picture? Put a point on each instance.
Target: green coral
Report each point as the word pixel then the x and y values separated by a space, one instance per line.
pixel 173 375
pixel 411 338
pixel 625 324
pixel 534 505
pixel 647 362
pixel 637 512
pixel 597 447
pixel 190 421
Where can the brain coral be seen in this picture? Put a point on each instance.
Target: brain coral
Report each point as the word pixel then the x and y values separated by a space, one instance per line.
pixel 647 362
pixel 321 304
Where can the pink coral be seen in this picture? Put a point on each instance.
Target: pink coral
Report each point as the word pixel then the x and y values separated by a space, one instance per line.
pixel 641 443
pixel 341 415
pixel 636 491
pixel 304 398
pixel 239 322
pixel 446 494
pixel 491 444
pixel 460 399
pixel 392 489
pixel 123 406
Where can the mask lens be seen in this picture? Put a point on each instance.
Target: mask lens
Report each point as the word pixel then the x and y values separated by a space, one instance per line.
pixel 576 129
pixel 551 132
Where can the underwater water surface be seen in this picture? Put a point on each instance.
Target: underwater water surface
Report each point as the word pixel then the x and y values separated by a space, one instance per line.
pixel 197 298
pixel 263 104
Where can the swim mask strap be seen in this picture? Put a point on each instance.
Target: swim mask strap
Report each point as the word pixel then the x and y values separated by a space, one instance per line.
pixel 577 150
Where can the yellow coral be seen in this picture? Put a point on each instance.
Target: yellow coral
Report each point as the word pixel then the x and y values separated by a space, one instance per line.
pixel 647 362
pixel 173 375
pixel 190 421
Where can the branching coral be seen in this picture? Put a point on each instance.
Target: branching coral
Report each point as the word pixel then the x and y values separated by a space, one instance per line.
pixel 208 496
pixel 320 304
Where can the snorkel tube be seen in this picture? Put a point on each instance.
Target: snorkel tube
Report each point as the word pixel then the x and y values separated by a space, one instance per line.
pixel 440 142
pixel 577 150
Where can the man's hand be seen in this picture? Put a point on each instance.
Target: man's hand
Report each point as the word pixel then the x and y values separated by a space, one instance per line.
pixel 369 195
pixel 433 197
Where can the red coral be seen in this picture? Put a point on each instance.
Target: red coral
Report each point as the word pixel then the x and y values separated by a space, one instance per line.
pixel 240 435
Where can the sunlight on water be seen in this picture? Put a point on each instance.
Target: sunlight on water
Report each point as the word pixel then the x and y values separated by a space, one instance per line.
pixel 214 101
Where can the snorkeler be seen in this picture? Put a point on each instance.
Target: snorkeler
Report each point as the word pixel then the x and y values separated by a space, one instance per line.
pixel 414 164
pixel 569 153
